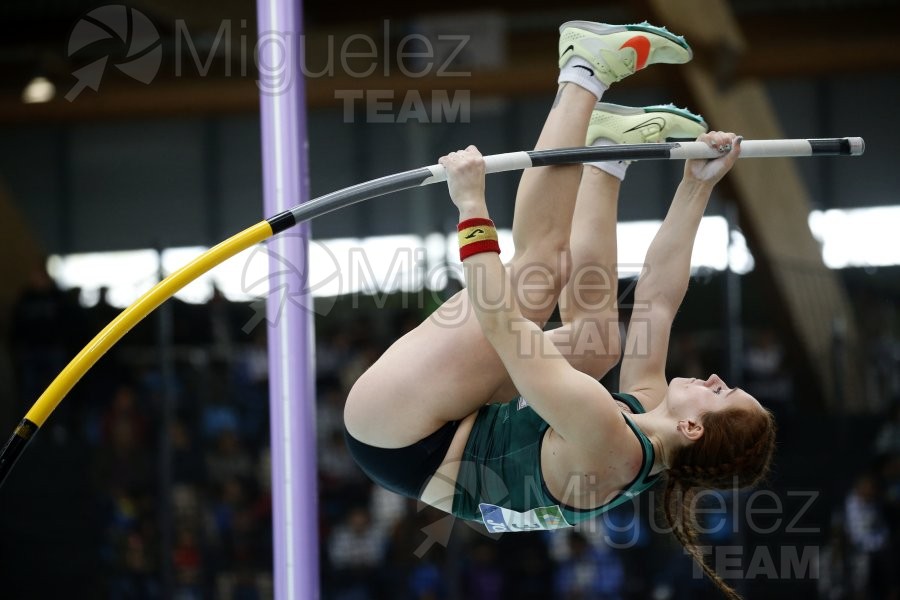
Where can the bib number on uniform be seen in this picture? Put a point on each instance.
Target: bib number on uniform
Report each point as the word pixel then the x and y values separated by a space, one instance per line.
pixel 503 520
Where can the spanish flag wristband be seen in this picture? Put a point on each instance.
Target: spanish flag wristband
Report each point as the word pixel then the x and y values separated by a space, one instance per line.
pixel 477 236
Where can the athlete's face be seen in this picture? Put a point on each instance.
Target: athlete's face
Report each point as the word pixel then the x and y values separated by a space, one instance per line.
pixel 690 398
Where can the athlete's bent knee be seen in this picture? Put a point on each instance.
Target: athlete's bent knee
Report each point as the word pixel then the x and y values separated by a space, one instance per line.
pixel 597 344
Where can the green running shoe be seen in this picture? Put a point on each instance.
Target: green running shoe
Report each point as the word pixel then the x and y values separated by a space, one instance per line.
pixel 617 51
pixel 627 125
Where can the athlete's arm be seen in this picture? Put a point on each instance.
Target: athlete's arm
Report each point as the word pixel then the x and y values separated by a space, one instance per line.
pixel 667 270
pixel 573 403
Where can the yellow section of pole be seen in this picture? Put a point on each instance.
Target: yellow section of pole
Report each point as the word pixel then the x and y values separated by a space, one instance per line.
pixel 135 313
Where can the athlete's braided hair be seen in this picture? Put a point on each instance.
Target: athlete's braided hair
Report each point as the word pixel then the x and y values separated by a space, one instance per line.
pixel 735 450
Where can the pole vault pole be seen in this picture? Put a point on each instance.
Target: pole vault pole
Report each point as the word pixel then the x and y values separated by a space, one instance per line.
pixel 165 289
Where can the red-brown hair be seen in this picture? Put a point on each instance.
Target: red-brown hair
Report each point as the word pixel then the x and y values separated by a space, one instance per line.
pixel 735 450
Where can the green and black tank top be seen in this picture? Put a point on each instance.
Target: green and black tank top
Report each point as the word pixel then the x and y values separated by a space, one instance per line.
pixel 500 483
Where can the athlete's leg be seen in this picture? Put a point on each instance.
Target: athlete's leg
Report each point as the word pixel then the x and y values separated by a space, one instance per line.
pixel 445 369
pixel 592 56
pixel 590 335
pixel 544 203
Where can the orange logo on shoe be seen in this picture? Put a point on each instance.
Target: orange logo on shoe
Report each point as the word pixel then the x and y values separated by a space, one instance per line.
pixel 641 47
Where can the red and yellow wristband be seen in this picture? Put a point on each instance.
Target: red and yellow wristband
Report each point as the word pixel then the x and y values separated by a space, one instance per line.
pixel 477 236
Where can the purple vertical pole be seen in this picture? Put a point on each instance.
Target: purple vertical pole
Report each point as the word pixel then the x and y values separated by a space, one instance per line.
pixel 291 391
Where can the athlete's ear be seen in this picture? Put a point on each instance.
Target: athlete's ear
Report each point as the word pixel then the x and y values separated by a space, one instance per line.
pixel 690 429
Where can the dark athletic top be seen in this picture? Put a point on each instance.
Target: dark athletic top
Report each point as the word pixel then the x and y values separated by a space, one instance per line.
pixel 500 483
